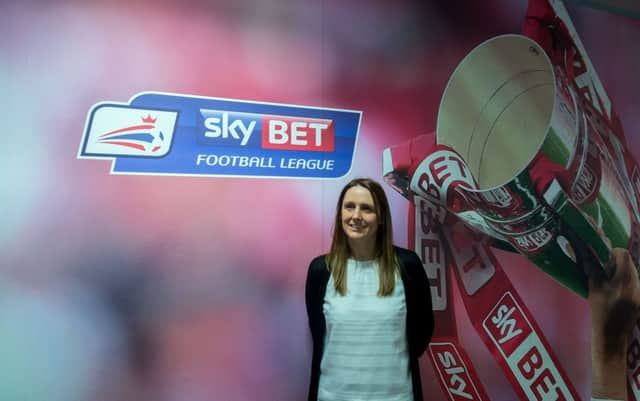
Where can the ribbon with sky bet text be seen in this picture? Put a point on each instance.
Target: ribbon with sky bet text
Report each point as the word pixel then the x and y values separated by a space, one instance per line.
pixel 449 249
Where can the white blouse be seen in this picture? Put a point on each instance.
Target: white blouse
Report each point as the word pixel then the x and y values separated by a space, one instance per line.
pixel 365 348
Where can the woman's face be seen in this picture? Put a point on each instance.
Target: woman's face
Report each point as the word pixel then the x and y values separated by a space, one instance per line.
pixel 359 218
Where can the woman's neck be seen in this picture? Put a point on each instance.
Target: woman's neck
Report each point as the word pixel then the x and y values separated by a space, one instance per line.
pixel 363 251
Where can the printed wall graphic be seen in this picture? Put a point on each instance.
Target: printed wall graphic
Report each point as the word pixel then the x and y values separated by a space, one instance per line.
pixel 170 134
pixel 529 157
pixel 171 167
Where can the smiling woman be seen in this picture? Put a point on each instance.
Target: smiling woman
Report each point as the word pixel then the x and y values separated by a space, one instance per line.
pixel 360 222
pixel 368 332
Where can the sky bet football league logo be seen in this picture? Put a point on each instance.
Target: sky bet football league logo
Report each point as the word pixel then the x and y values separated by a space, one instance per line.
pixel 168 134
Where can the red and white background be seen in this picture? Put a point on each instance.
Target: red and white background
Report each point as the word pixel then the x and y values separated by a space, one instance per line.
pixel 186 288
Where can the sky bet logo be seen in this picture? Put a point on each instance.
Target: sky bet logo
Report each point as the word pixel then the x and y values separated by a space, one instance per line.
pixel 182 135
pixel 226 128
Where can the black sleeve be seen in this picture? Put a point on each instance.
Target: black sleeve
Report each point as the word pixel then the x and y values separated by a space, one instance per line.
pixel 424 322
pixel 314 297
pixel 311 295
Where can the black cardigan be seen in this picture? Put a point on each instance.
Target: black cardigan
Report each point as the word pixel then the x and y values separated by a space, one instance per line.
pixel 419 314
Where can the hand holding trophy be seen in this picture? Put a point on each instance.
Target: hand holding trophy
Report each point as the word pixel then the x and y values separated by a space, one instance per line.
pixel 614 307
pixel 547 179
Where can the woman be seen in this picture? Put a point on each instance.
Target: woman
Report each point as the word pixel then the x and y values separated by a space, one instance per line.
pixel 368 327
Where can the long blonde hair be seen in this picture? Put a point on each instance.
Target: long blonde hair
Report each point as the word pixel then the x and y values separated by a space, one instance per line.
pixel 339 253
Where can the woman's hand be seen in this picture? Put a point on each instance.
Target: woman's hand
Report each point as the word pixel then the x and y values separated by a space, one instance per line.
pixel 614 305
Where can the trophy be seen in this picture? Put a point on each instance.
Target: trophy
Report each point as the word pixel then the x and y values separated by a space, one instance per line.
pixel 535 169
pixel 530 155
